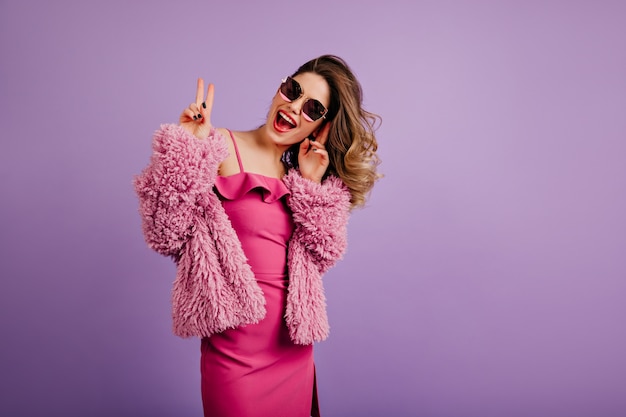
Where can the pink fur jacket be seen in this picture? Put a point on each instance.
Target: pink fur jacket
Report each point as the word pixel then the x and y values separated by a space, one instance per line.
pixel 215 288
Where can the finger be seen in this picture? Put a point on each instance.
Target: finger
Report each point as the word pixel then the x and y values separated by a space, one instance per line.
pixel 304 146
pixel 199 92
pixel 189 114
pixel 322 154
pixel 322 136
pixel 207 106
pixel 315 146
pixel 195 110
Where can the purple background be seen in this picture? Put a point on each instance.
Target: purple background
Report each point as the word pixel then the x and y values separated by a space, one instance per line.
pixel 486 277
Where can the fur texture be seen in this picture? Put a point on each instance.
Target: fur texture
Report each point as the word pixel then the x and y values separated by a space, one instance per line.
pixel 215 288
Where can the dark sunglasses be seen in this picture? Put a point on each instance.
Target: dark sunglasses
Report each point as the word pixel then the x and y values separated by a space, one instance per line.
pixel 312 109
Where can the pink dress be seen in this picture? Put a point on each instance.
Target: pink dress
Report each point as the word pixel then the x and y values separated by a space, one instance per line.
pixel 256 370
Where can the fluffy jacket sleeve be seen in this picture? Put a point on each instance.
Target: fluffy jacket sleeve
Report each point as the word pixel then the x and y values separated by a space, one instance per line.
pixel 172 189
pixel 320 214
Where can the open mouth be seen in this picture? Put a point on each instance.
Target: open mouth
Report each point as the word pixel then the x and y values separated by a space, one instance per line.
pixel 283 122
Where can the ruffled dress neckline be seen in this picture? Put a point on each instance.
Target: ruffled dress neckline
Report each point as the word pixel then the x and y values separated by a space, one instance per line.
pixel 236 186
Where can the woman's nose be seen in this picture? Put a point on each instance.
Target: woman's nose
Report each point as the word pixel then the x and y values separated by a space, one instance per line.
pixel 296 105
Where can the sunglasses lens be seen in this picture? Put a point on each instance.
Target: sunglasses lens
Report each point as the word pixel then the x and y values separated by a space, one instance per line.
pixel 291 89
pixel 313 109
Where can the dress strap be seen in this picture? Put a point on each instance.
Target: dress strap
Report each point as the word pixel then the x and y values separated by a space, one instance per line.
pixel 236 150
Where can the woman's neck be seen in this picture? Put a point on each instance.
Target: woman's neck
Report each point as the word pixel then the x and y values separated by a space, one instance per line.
pixel 264 144
pixel 260 154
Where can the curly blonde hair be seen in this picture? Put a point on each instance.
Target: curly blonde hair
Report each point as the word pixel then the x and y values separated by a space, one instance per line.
pixel 351 143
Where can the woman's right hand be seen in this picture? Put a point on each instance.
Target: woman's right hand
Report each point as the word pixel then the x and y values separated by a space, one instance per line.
pixel 196 119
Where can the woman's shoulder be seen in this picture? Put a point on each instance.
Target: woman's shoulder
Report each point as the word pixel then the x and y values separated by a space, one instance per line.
pixel 223 132
pixel 229 165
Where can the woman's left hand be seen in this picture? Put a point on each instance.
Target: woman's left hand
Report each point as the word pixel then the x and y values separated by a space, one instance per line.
pixel 313 157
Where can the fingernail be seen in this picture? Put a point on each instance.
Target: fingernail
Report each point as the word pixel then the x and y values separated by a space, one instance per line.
pixel 204 104
pixel 199 116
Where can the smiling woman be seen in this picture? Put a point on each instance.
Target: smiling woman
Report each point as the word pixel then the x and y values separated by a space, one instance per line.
pixel 253 219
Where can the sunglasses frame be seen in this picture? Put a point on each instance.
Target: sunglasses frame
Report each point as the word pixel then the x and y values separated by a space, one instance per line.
pixel 306 115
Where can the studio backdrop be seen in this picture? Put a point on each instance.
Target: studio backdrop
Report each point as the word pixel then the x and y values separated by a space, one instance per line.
pixel 486 276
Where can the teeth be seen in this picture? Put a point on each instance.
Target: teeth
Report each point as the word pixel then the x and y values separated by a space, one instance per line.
pixel 284 116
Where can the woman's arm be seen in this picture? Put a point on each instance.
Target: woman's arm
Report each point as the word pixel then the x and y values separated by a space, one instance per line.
pixel 320 213
pixel 173 188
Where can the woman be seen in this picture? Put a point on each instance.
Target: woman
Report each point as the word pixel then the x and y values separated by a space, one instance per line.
pixel 253 219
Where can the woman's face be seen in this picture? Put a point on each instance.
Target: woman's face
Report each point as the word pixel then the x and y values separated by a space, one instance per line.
pixel 286 123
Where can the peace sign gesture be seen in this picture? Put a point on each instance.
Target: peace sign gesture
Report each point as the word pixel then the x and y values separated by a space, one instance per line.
pixel 196 119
